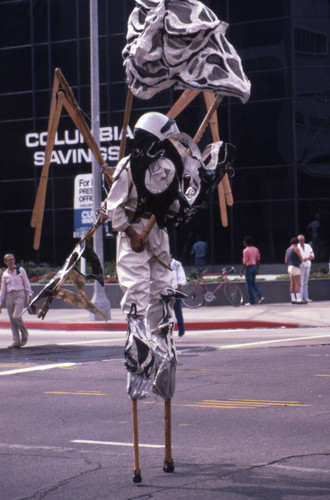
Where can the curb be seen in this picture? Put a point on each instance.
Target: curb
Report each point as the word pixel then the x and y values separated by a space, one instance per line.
pixel 122 326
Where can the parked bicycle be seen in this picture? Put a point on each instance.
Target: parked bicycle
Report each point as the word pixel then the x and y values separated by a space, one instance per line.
pixel 197 294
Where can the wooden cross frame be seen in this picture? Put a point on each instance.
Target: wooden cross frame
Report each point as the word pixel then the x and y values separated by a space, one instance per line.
pixel 62 96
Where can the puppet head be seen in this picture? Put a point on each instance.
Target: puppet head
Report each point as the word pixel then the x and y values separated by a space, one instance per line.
pixel 157 124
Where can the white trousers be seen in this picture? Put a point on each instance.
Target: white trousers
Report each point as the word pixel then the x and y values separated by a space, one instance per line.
pixel 15 303
pixel 141 277
pixel 304 275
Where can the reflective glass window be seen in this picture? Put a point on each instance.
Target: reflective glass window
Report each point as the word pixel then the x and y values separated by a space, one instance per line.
pixel 16 77
pixel 16 24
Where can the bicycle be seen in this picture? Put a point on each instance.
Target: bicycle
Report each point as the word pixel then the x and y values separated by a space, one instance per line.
pixel 198 293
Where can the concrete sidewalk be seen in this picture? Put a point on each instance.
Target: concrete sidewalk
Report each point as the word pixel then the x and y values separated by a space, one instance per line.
pixel 203 318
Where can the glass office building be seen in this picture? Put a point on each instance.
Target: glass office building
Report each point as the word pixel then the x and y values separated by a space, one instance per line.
pixel 282 169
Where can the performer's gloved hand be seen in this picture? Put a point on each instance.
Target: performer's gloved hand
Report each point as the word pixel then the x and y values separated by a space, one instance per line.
pixel 138 242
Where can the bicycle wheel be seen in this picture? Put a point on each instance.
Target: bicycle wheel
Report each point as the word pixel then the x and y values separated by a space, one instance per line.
pixel 233 294
pixel 195 295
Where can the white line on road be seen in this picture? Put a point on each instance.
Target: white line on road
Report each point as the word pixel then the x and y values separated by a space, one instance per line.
pixel 114 443
pixel 275 341
pixel 300 469
pixel 31 447
pixel 100 341
pixel 37 368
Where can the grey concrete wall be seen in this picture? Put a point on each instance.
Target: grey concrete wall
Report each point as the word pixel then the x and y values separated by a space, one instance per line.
pixel 276 291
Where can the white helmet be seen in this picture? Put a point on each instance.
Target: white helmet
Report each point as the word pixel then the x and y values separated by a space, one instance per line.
pixel 157 124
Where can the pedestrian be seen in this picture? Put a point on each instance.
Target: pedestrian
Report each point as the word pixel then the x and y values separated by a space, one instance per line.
pixel 293 260
pixel 179 280
pixel 199 251
pixel 307 254
pixel 15 291
pixel 314 231
pixel 250 268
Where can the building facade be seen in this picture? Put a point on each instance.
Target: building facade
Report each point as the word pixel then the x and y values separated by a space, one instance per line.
pixel 282 169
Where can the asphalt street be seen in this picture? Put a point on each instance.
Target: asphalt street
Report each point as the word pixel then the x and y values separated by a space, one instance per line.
pixel 250 417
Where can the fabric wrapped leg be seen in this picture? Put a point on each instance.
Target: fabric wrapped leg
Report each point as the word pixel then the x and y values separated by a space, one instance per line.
pixel 164 350
pixel 139 358
pixel 165 363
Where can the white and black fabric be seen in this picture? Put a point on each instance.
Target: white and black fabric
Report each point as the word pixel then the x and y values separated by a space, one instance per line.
pixel 173 178
pixel 139 358
pixel 157 174
pixel 164 349
pixel 150 358
pixel 181 44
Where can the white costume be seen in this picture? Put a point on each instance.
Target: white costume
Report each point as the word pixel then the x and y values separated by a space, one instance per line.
pixel 305 267
pixel 142 278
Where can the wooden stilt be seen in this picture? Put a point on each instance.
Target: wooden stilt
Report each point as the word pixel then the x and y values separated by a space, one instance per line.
pixel 137 471
pixel 168 462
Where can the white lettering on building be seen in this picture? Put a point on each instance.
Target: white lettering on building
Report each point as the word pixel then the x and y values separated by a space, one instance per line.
pixel 62 155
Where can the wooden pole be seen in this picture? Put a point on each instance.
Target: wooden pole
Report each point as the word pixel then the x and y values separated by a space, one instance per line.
pixel 222 205
pixel 79 119
pixel 182 102
pixel 137 478
pixel 67 100
pixel 148 227
pixel 39 205
pixel 168 462
pixel 127 114
pixel 200 132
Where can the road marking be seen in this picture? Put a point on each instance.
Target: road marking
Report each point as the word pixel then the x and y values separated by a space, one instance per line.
pixel 300 469
pixel 39 447
pixel 81 393
pixel 37 368
pixel 234 403
pixel 241 404
pixel 91 341
pixel 15 365
pixel 200 370
pixel 322 375
pixel 114 443
pixel 263 342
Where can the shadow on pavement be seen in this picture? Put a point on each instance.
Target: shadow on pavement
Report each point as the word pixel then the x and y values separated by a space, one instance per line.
pixel 68 353
pixel 78 354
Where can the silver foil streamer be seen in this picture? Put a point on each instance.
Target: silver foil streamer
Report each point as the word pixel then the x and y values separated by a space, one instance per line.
pixel 139 387
pixel 150 360
pixel 181 44
pixel 165 363
pixel 139 357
